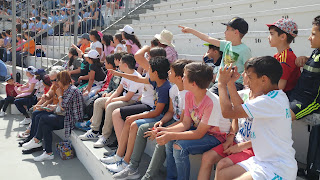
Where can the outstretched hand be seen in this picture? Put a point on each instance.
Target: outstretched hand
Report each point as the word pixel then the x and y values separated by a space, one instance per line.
pixel 185 29
pixel 114 72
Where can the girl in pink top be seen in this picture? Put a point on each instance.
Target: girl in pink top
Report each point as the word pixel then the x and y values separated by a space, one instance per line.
pixel 20 41
pixel 107 42
pixel 132 43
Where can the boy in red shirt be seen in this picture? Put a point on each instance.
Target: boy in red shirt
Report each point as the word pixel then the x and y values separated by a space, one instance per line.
pixel 11 94
pixel 282 33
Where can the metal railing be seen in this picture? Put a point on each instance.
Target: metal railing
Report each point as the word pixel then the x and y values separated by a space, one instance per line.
pixel 65 31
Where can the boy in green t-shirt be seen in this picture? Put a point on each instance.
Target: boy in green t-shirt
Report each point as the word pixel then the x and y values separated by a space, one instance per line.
pixel 234 51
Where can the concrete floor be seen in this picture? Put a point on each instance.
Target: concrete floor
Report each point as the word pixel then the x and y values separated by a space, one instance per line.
pixel 14 165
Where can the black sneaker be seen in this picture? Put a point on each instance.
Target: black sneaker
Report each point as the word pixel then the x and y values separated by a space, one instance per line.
pixel 30 151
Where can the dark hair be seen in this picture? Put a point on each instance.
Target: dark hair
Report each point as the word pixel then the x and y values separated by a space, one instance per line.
pixel 213 47
pixel 107 38
pixel 279 31
pixel 110 60
pixel 96 62
pixel 26 33
pixel 178 66
pixel 161 65
pixel 45 21
pixel 158 51
pixel 3 34
pixel 118 55
pixel 133 38
pixel 266 66
pixel 316 22
pixel 33 6
pixel 57 11
pixel 155 42
pixel 95 34
pixel 38 18
pixel 45 14
pixel 129 60
pixel 8 31
pixel 64 77
pixel 74 53
pixel 119 37
pixel 200 73
pixel 19 36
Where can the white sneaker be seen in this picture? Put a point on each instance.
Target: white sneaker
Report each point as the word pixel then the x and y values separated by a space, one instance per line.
pixel 127 173
pixel 32 144
pixel 111 159
pixel 117 167
pixel 89 135
pixel 102 141
pixel 25 121
pixel 2 114
pixel 44 156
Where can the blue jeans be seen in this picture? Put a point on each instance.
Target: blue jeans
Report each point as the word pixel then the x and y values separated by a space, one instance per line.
pixel 178 164
pixel 7 57
pixel 139 122
pixel 35 121
pixel 48 123
pixel 29 101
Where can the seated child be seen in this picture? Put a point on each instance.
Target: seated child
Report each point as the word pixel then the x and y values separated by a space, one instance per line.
pixel 173 116
pixel 128 119
pixel 234 51
pixel 282 33
pixel 131 92
pixel 11 94
pixel 304 98
pixel 202 127
pixel 271 133
pixel 238 145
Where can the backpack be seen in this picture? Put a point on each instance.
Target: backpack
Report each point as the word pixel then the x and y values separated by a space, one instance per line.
pixel 18 77
pixel 313 157
pixel 40 53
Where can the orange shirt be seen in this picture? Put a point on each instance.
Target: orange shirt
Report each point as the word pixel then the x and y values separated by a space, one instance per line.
pixel 31 46
pixel 83 47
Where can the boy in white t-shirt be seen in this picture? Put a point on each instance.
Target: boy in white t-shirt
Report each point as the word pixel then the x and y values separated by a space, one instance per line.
pixel 131 92
pixel 271 132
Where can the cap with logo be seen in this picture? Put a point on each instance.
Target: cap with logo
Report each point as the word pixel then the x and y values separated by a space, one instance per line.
pixel 286 25
pixel 165 37
pixel 32 70
pixel 238 23
pixel 128 29
pixel 93 54
pixel 85 36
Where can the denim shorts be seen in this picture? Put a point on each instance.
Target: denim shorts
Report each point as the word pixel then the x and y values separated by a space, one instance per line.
pixel 139 122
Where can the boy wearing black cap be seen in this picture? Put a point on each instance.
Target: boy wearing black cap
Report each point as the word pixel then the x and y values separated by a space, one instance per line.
pixel 234 51
pixel 11 93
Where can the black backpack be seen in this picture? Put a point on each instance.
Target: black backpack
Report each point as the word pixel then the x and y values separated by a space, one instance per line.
pixel 40 53
pixel 313 157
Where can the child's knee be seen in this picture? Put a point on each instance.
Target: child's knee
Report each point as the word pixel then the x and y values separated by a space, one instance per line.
pixel 134 127
pixel 224 163
pixel 116 112
pixel 176 147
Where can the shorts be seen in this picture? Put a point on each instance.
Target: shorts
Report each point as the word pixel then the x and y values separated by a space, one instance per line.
pixel 235 158
pixel 261 170
pixel 132 109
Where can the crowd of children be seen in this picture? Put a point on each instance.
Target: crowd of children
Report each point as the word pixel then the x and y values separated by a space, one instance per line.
pixel 234 109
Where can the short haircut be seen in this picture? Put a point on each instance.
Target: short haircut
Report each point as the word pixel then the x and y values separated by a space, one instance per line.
pixel 161 65
pixel 279 31
pixel 266 66
pixel 129 60
pixel 8 31
pixel 45 21
pixel 110 60
pixel 316 22
pixel 200 73
pixel 158 51
pixel 45 14
pixel 155 42
pixel 19 36
pixel 178 66
pixel 213 47
pixel 38 18
pixel 64 77
pixel 118 55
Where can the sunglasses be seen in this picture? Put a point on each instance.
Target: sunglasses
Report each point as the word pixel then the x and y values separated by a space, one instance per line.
pixel 54 80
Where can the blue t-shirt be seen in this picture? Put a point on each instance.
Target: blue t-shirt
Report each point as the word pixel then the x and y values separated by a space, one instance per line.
pixel 51 20
pixel 31 25
pixel 3 69
pixel 35 12
pixel 39 25
pixel 50 32
pixel 56 18
pixel 161 94
pixel 24 26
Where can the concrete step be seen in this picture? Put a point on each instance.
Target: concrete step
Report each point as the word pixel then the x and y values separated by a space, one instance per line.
pixel 59 41
pixel 41 62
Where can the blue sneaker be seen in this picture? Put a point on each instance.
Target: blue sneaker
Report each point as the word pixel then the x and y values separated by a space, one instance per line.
pixel 84 126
